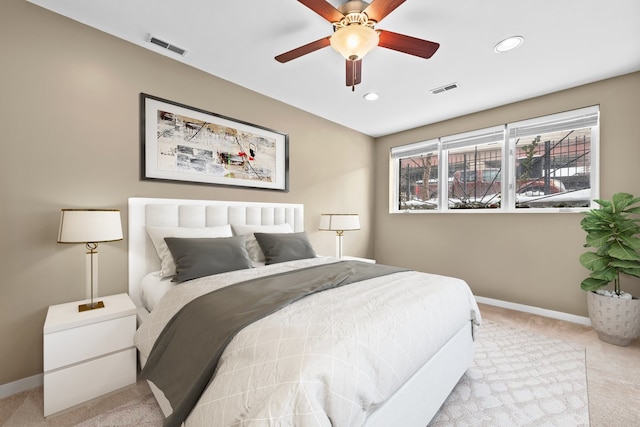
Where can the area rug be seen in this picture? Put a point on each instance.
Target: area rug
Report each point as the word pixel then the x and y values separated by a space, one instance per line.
pixel 519 378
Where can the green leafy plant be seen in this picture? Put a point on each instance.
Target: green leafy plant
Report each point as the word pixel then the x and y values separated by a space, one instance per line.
pixel 612 230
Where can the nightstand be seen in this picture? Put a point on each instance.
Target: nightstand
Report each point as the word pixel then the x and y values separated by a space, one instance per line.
pixel 89 353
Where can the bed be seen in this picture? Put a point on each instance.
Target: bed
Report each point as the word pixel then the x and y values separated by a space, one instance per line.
pixel 405 338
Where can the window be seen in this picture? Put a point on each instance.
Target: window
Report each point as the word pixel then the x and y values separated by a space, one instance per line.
pixel 474 165
pixel 554 158
pixel 418 182
pixel 545 164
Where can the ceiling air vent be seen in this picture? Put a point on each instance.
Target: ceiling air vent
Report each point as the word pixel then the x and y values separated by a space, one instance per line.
pixel 444 88
pixel 168 46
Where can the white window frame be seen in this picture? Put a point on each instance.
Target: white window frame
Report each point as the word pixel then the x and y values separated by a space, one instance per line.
pixel 402 152
pixel 495 134
pixel 583 117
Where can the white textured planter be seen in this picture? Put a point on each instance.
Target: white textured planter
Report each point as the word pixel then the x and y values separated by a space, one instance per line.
pixel 617 321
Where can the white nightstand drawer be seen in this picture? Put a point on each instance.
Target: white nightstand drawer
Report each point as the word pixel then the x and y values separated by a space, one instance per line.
pixel 86 342
pixel 89 353
pixel 79 383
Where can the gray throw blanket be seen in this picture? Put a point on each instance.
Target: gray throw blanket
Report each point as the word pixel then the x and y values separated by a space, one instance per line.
pixel 185 355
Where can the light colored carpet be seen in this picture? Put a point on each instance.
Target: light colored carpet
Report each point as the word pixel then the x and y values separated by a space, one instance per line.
pixel 143 413
pixel 518 378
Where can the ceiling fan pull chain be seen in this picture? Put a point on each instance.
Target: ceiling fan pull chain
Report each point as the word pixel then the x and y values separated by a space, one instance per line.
pixel 353 74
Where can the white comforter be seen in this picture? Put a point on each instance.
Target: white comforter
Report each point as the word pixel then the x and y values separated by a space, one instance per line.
pixel 329 359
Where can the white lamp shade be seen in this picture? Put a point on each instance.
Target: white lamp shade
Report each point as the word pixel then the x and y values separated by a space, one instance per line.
pixel 89 226
pixel 353 42
pixel 339 222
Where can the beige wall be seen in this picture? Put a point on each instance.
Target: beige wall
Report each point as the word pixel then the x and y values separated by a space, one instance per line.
pixel 69 117
pixel 523 258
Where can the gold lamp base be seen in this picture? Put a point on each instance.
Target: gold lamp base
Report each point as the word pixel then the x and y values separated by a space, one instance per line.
pixel 90 306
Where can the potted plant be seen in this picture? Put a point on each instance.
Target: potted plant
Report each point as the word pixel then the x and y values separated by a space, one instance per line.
pixel 613 231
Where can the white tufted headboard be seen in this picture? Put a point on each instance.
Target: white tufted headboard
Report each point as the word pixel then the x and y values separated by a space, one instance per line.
pixel 194 213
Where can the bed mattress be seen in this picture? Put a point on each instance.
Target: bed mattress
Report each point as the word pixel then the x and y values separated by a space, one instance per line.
pixel 331 358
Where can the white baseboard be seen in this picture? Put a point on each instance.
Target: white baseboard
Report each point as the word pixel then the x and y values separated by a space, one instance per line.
pixel 535 310
pixel 10 389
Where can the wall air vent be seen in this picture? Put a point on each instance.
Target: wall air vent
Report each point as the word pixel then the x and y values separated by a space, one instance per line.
pixel 166 45
pixel 444 88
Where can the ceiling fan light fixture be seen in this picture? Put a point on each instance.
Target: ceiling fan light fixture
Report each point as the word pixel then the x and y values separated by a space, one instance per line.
pixel 354 41
pixel 509 44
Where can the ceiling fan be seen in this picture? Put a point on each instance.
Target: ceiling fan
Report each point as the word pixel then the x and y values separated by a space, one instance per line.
pixel 355 34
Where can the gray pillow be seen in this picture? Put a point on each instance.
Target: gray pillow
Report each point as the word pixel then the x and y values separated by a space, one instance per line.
pixel 199 257
pixel 281 247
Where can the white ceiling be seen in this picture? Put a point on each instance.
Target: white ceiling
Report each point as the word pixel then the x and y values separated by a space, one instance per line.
pixel 567 43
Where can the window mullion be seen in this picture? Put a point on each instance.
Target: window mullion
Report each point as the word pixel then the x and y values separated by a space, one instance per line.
pixel 443 179
pixel 509 191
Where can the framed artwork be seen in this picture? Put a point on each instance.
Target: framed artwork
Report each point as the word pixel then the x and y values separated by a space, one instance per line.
pixel 182 143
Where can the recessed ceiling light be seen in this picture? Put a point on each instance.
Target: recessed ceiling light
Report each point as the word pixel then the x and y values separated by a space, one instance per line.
pixel 371 96
pixel 509 43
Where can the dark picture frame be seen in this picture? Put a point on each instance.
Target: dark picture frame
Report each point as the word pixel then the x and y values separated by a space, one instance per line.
pixel 190 145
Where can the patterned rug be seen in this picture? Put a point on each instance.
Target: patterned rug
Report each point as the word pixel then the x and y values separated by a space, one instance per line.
pixel 519 378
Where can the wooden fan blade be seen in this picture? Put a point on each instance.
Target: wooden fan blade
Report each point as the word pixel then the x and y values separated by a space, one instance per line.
pixel 324 9
pixel 378 9
pixel 303 50
pixel 354 72
pixel 407 44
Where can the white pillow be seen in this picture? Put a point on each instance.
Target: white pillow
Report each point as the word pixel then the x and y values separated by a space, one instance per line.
pixel 158 234
pixel 253 248
pixel 152 289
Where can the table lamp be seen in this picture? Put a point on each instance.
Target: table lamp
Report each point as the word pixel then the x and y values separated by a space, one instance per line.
pixel 339 223
pixel 90 226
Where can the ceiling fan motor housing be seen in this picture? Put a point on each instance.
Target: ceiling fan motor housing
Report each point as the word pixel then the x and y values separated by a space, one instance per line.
pixel 353 6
